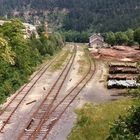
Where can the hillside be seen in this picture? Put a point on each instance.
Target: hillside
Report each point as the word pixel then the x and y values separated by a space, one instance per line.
pixel 93 15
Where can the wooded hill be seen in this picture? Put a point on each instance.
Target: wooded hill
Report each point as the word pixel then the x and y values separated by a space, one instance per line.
pixel 93 15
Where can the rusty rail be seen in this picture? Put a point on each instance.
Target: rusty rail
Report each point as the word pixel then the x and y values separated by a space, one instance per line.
pixel 71 61
pixel 41 72
pixel 59 117
pixel 90 73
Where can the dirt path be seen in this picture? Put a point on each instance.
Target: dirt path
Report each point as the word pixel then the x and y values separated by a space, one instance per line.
pixel 96 91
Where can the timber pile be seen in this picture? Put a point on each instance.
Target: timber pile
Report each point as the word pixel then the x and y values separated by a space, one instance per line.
pixel 123 75
pixel 122 84
pixel 118 53
pixel 115 64
pixel 123 69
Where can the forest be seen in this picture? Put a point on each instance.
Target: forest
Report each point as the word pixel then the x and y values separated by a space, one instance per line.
pixel 20 57
pixel 83 15
pixel 129 37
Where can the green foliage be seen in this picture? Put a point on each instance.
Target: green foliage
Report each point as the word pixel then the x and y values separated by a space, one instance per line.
pixel 55 18
pixel 100 16
pixel 121 38
pixel 110 38
pixel 130 37
pixel 137 35
pixel 135 92
pixel 127 128
pixel 5 52
pixel 93 121
pixel 21 56
pixel 74 36
pixel 41 29
pixel 81 15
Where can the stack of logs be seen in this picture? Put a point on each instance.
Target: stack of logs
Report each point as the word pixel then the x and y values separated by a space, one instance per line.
pixel 123 75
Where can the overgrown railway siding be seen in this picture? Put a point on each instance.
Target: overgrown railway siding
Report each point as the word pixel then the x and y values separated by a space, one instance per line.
pixel 56 110
pixel 47 103
pixel 36 93
pixel 50 109
pixel 64 104
pixel 21 95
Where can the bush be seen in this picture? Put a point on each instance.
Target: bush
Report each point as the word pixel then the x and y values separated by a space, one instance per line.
pixel 20 56
pixel 74 36
pixel 128 127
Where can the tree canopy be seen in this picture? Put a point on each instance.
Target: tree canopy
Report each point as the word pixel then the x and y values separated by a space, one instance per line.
pixel 129 37
pixel 81 15
pixel 20 56
pixel 137 35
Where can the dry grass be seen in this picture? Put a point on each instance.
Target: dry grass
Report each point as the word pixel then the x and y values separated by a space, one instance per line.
pixel 83 63
pixel 93 121
pixel 60 61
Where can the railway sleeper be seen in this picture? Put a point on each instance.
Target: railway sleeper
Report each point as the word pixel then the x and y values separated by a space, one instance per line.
pixel 30 124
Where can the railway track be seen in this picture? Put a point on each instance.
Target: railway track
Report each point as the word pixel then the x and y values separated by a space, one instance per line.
pixel 48 101
pixel 53 115
pixel 21 95
pixel 57 112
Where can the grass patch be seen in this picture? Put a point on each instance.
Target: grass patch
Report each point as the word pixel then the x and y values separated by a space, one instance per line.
pixel 83 66
pixel 93 121
pixel 84 62
pixel 48 58
pixel 59 63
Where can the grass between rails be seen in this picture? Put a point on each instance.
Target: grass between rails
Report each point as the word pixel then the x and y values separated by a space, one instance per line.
pixel 83 62
pixel 48 58
pixel 93 122
pixel 59 63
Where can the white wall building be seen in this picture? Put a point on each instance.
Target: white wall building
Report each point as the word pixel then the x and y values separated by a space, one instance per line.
pixel 96 41
pixel 29 30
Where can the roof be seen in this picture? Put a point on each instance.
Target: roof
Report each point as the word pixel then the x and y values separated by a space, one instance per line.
pixel 97 35
pixel 96 39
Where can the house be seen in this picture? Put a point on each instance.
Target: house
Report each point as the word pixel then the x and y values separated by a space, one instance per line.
pixel 96 41
pixel 2 22
pixel 29 30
